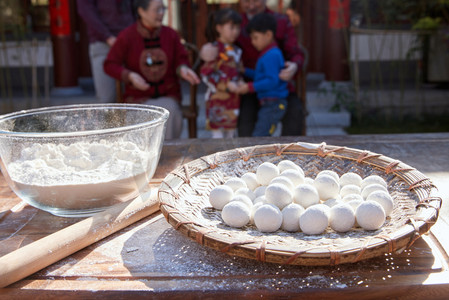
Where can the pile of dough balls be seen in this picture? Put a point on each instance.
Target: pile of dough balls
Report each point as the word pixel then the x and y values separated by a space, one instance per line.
pixel 282 197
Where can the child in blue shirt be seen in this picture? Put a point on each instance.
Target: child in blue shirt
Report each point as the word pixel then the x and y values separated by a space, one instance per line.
pixel 270 89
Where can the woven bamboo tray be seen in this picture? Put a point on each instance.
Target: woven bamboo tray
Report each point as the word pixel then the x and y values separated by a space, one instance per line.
pixel 184 201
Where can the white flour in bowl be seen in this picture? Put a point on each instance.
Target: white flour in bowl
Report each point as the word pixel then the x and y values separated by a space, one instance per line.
pixel 82 175
pixel 79 163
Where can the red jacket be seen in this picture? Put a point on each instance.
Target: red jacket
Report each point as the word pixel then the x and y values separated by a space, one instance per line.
pixel 155 55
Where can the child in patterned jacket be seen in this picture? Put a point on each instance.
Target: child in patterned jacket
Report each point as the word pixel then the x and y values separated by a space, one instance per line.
pixel 222 106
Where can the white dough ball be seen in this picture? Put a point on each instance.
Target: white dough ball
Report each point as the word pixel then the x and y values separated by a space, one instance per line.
pixel 308 180
pixel 236 214
pixel 341 217
pixel 327 186
pixel 290 217
pixel 306 195
pixel 370 215
pixel 289 165
pixel 253 210
pixel 261 199
pixel 352 197
pixel 333 201
pixel 235 183
pixel 295 176
pixel 283 180
pixel 350 178
pixel 350 189
pixel 266 172
pixel 286 164
pixel 250 179
pixel 371 180
pixel 279 195
pixel 355 203
pixel 331 173
pixel 247 192
pixel 220 196
pixel 244 199
pixel 260 190
pixel 314 220
pixel 384 199
pixel 323 206
pixel 371 188
pixel 268 218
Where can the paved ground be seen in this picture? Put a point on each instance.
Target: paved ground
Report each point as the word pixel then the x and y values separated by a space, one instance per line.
pixel 320 120
pixel 86 95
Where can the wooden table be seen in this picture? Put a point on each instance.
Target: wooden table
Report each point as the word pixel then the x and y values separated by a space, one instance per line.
pixel 150 258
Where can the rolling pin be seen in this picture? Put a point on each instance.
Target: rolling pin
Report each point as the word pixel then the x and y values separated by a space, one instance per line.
pixel 54 247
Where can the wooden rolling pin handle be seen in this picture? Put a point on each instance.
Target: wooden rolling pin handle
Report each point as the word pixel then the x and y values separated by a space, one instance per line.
pixel 52 248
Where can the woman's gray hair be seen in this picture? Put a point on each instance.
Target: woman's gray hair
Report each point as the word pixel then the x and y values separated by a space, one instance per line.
pixel 140 4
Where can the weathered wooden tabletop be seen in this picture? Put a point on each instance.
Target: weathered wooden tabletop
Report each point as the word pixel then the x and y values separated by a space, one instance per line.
pixel 152 259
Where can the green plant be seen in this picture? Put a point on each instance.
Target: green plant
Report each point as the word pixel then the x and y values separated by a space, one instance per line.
pixel 427 23
pixel 400 14
pixel 343 95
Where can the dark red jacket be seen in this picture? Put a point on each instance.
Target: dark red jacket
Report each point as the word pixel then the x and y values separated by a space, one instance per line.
pixel 105 18
pixel 130 53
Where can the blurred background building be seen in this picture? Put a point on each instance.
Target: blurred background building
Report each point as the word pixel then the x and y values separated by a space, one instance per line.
pixel 366 56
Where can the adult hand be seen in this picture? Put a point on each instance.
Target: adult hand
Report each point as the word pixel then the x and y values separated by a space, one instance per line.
pixel 208 52
pixel 232 86
pixel 111 40
pixel 243 88
pixel 138 82
pixel 240 87
pixel 289 71
pixel 189 75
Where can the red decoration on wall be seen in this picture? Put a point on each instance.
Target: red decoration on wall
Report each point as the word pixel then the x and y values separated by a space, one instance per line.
pixel 60 17
pixel 338 14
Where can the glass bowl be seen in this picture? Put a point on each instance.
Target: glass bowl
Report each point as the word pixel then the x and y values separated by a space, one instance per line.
pixel 76 160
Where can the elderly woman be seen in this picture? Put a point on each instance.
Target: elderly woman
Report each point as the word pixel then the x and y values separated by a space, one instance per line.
pixel 150 58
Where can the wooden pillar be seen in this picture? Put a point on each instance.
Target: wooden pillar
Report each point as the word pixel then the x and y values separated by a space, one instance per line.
pixel 84 69
pixel 64 47
pixel 188 8
pixel 201 22
pixel 324 28
pixel 313 28
pixel 337 41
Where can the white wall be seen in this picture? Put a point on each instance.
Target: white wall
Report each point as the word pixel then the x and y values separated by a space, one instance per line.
pixel 26 53
pixel 383 46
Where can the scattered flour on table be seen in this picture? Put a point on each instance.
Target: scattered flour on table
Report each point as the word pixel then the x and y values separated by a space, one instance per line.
pixel 78 163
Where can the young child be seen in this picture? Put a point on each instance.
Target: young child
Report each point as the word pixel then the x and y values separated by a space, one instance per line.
pixel 270 89
pixel 222 106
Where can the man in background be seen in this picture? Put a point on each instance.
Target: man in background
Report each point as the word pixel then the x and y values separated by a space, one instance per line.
pixel 104 20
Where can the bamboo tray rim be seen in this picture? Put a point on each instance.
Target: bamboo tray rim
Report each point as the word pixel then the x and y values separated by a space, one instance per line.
pixel 426 213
